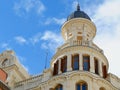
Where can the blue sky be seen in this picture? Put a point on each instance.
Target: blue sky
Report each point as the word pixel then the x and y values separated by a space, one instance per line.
pixel 33 27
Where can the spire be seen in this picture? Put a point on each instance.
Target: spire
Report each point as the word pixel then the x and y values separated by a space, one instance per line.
pixel 78 7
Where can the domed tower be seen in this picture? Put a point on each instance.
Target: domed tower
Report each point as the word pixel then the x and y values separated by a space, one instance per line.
pixel 81 62
pixel 78 64
pixel 79 52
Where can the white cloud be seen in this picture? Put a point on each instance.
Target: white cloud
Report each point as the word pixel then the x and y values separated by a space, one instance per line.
pixel 5 46
pixel 107 18
pixel 51 40
pixel 55 21
pixel 35 39
pixel 25 6
pixel 21 40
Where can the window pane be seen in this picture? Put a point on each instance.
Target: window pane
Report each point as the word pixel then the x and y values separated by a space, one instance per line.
pixel 61 88
pixel 86 66
pixel 84 87
pixel 86 63
pixel 76 62
pixel 78 87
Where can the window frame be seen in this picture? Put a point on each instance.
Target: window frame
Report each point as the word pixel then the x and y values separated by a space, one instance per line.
pixel 64 64
pixel 75 62
pixel 81 85
pixel 86 67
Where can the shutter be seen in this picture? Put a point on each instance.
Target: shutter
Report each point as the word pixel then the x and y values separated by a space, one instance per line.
pixel 96 66
pixel 57 64
pixel 55 72
pixel 88 63
pixel 72 62
pixel 78 61
pixel 104 71
pixel 65 64
pixel 62 64
pixel 78 86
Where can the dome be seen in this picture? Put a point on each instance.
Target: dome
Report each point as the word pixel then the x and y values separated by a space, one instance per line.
pixel 78 14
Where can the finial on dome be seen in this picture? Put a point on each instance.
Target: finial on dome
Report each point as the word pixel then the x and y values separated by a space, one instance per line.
pixel 78 7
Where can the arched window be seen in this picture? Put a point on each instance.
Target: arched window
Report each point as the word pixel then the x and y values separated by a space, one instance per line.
pixel 5 62
pixel 75 62
pixel 81 86
pixel 86 62
pixel 59 87
pixel 102 88
pixel 64 64
pixel 96 65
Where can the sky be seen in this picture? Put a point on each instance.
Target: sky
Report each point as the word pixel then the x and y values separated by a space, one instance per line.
pixel 32 28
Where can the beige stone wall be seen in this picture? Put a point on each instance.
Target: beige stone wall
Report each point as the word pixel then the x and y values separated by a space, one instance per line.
pixel 68 80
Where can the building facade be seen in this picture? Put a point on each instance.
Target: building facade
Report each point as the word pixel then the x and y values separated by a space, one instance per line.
pixel 79 64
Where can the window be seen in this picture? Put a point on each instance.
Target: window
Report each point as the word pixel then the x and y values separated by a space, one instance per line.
pixel 96 65
pixel 86 63
pixel 79 37
pixel 64 64
pixel 75 62
pixel 56 65
pixel 59 87
pixel 51 89
pixel 79 32
pixel 81 86
pixel 104 71
pixel 102 88
pixel 5 62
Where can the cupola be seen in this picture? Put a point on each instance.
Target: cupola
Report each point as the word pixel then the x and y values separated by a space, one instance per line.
pixel 78 14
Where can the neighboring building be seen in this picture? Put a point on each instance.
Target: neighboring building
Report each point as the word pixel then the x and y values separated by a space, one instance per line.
pixel 79 64
pixel 10 64
pixel 3 77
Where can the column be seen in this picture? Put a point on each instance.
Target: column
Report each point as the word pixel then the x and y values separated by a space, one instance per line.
pixel 59 68
pixel 69 68
pixel 100 68
pixel 92 66
pixel 80 61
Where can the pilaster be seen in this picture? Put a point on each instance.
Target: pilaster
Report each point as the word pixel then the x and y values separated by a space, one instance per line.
pixel 69 68
pixel 92 66
pixel 59 68
pixel 80 62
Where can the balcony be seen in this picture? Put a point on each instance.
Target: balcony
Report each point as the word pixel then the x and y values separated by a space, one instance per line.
pixel 81 43
pixel 28 81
